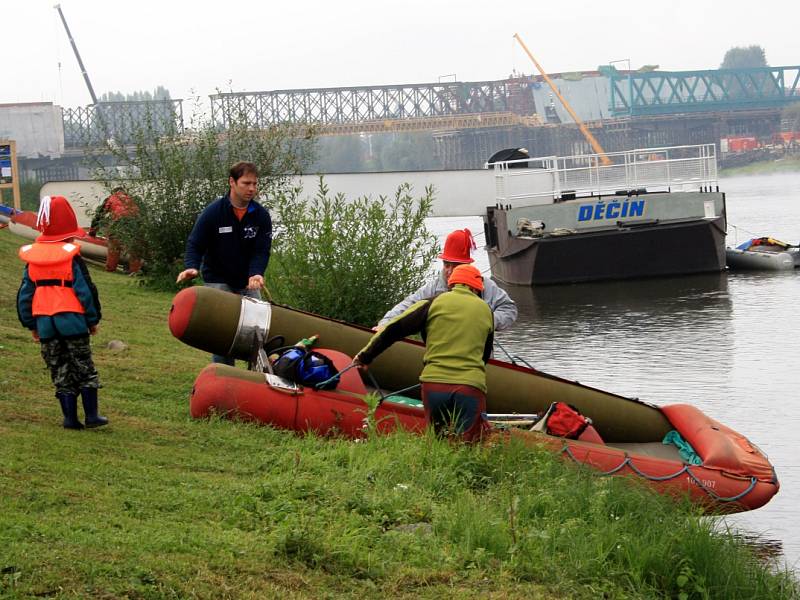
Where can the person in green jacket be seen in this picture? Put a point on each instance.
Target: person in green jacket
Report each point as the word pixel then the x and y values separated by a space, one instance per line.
pixel 458 329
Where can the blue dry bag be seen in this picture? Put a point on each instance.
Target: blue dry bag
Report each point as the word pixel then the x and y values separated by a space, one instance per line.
pixel 306 367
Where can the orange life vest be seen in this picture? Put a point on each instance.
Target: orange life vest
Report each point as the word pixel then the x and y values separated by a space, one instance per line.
pixel 50 270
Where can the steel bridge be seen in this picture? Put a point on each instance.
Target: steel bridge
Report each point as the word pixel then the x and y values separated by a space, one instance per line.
pixel 470 120
pixel 669 92
pixel 122 122
pixel 342 106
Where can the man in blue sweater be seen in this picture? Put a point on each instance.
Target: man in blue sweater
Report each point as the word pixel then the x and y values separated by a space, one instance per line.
pixel 231 239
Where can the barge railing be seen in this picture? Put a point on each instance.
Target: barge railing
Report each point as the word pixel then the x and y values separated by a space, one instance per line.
pixel 551 179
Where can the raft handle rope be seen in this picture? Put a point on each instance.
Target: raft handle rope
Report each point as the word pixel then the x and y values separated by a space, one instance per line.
pixel 515 360
pixel 335 376
pixel 372 380
pixel 627 461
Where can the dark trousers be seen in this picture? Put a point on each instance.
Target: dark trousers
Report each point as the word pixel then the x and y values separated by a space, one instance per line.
pixel 114 249
pixel 70 363
pixel 456 408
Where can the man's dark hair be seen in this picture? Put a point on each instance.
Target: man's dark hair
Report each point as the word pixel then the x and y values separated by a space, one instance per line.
pixel 118 189
pixel 241 167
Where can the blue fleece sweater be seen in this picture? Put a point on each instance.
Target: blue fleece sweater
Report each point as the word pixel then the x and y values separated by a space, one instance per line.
pixel 230 251
pixel 65 324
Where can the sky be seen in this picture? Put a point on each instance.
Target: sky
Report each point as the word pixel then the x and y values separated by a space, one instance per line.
pixel 196 48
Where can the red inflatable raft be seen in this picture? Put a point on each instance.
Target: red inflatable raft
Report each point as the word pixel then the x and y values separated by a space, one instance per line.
pixel 732 475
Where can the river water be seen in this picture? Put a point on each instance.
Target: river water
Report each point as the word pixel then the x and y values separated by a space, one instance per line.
pixel 728 343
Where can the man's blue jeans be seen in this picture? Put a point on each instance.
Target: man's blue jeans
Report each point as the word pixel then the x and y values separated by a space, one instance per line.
pixel 229 360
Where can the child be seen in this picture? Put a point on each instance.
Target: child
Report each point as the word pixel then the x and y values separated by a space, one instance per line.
pixel 58 302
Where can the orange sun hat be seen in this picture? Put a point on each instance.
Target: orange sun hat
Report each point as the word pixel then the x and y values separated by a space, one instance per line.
pixel 458 246
pixel 468 275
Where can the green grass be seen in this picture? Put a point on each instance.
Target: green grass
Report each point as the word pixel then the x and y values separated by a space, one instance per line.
pixel 767 167
pixel 157 505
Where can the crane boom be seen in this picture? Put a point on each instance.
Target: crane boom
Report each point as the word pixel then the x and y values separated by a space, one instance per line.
pixel 77 55
pixel 584 130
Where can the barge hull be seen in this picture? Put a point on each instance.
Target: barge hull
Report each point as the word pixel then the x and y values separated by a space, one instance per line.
pixel 643 251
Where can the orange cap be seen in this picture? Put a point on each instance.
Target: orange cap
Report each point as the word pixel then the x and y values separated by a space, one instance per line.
pixel 468 275
pixel 56 220
pixel 458 246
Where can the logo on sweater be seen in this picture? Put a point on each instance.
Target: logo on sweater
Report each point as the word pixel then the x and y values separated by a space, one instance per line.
pixel 250 232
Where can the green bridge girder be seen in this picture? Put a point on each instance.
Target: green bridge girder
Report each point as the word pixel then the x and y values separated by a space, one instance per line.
pixel 665 92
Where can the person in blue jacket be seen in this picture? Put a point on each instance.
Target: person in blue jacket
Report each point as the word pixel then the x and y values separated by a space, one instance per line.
pixel 231 241
pixel 59 303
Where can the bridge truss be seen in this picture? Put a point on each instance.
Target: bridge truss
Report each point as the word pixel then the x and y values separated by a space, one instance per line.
pixel 343 106
pixel 665 92
pixel 120 122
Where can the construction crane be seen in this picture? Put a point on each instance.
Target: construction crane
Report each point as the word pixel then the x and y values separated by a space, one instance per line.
pixel 584 130
pixel 77 55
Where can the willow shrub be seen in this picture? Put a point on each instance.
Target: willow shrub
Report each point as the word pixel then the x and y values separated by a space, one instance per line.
pixel 349 259
pixel 173 174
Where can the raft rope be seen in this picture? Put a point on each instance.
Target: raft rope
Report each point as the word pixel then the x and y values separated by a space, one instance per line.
pixel 385 396
pixel 407 389
pixel 514 359
pixel 629 462
pixel 335 376
pixel 372 380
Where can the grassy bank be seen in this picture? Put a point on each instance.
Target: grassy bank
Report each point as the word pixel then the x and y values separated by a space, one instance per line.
pixel 768 167
pixel 159 506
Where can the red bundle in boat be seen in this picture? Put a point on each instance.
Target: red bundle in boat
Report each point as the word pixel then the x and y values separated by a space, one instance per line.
pixel 564 421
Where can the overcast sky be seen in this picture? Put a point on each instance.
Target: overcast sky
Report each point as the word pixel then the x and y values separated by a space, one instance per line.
pixel 194 48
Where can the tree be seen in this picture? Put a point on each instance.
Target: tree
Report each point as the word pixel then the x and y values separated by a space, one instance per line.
pixel 160 93
pixel 350 259
pixel 406 151
pixel 744 88
pixel 377 152
pixel 339 154
pixel 173 175
pixel 744 57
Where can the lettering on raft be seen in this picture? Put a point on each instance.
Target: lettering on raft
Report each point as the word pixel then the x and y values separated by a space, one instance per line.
pixel 602 210
pixel 707 483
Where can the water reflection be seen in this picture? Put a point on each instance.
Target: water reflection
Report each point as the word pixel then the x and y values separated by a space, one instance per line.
pixel 766 549
pixel 616 335
pixel 728 343
pixel 603 303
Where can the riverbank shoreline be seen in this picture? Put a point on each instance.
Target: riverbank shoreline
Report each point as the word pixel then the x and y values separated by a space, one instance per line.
pixel 764 167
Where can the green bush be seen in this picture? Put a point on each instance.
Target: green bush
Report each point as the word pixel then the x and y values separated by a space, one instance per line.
pixel 350 260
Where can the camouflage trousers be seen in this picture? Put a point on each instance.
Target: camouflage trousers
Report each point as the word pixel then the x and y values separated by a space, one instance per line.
pixel 70 364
